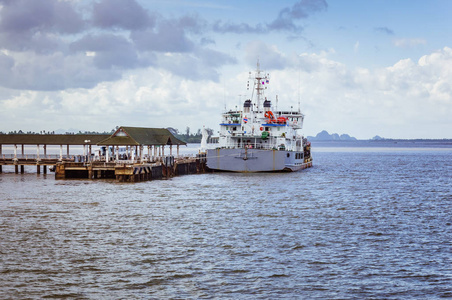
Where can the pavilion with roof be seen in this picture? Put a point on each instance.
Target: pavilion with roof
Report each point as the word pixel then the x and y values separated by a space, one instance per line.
pixel 139 137
pixel 154 139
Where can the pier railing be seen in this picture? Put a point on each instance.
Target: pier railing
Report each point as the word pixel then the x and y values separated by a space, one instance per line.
pixel 33 156
pixel 53 158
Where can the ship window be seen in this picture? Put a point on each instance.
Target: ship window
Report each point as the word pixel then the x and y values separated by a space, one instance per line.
pixel 267 128
pixel 234 128
pixel 288 154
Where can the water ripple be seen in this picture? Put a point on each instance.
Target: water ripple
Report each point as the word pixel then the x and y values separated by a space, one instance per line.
pixel 357 225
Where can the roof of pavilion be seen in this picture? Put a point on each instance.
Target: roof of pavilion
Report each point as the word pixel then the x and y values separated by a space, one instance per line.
pixel 135 136
pixel 131 136
pixel 52 139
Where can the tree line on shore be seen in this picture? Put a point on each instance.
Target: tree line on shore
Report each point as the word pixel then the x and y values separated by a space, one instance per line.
pixel 53 132
pixel 187 136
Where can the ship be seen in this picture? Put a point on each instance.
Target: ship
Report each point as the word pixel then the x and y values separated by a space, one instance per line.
pixel 259 137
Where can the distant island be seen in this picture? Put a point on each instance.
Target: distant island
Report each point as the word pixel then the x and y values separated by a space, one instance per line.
pixel 325 136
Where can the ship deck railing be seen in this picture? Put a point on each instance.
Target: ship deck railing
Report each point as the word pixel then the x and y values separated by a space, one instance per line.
pixel 258 147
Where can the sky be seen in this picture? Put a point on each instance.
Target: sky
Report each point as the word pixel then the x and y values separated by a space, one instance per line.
pixel 363 68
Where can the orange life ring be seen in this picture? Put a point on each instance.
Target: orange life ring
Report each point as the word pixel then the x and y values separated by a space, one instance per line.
pixel 261 128
pixel 269 115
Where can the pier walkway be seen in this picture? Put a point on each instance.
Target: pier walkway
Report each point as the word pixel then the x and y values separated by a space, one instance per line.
pixel 121 155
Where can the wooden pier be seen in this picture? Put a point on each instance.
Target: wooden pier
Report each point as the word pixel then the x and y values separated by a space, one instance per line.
pixel 132 166
pixel 128 172
pixel 122 172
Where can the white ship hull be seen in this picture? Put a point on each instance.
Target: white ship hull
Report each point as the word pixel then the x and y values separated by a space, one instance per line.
pixel 254 160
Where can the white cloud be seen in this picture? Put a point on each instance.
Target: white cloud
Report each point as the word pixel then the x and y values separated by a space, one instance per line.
pixel 356 47
pixel 405 100
pixel 407 43
pixel 104 68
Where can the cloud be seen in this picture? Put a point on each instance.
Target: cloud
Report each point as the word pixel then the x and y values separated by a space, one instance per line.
pixel 356 47
pixel 403 100
pixel 409 43
pixel 109 51
pixel 269 56
pixel 21 16
pixel 166 38
pixel 384 30
pixel 124 14
pixel 31 71
pixel 37 25
pixel 55 44
pixel 285 21
pixel 201 65
pixel 241 28
pixel 300 10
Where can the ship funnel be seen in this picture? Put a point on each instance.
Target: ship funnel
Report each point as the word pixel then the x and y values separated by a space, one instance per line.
pixel 247 106
pixel 267 105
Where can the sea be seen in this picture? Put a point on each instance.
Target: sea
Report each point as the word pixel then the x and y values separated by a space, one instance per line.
pixel 367 221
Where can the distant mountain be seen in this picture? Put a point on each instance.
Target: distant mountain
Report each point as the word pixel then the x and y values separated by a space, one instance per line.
pixel 377 138
pixel 325 136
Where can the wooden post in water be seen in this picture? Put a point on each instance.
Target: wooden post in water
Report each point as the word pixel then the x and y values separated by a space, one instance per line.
pixel 141 153
pixel 149 153
pixel 38 167
pixel 59 171
pixel 90 153
pixel 44 167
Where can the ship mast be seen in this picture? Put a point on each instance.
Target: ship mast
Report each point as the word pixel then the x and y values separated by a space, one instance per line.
pixel 259 82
